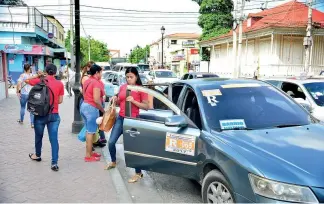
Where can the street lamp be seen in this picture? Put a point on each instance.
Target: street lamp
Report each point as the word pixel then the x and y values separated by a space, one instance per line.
pixel 162 32
pixel 130 54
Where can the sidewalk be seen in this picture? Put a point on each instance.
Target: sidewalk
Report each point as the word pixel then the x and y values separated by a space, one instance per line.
pixel 23 180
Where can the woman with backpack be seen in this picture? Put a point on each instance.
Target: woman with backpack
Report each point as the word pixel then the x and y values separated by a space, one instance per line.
pixel 50 119
pixel 22 93
pixel 138 101
pixel 93 93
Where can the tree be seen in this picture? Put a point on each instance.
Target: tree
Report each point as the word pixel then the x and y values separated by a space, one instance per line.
pixel 13 2
pixel 139 54
pixel 98 50
pixel 215 17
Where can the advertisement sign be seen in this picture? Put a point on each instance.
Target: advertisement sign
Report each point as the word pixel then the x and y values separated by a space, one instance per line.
pixel 188 43
pixel 178 57
pixel 194 51
pixel 27 49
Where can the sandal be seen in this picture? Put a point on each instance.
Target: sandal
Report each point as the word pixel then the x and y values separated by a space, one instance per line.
pixel 111 165
pixel 95 154
pixel 135 178
pixel 37 159
pixel 20 122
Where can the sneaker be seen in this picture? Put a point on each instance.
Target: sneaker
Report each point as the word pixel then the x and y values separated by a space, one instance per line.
pixel 95 154
pixel 91 159
pixel 54 167
pixel 99 144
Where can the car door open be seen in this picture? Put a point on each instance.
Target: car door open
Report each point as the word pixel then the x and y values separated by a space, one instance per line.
pixel 160 140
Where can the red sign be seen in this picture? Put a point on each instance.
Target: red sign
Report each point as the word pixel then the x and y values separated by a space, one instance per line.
pixel 194 51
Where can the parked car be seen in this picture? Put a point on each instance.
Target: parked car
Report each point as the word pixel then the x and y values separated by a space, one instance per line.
pixel 106 66
pixel 242 140
pixel 145 68
pixel 162 76
pixel 308 92
pixel 121 67
pixel 114 80
pixel 198 75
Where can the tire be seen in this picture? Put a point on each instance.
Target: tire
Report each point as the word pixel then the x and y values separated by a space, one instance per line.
pixel 213 180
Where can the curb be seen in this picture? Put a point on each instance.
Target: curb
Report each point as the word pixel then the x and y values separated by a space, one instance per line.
pixel 123 195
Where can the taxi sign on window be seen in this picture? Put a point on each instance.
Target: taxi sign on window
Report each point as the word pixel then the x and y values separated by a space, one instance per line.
pixel 181 144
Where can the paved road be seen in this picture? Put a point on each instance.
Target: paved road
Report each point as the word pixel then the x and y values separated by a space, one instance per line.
pixel 22 180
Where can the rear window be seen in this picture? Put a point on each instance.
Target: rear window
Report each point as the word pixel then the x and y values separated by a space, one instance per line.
pixel 259 106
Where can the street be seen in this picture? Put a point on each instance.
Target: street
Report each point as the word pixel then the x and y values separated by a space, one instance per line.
pixel 23 180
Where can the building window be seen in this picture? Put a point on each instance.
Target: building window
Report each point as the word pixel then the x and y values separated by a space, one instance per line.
pixel 173 42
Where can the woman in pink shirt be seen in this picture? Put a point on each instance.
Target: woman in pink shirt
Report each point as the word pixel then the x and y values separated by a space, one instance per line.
pixel 138 101
pixel 93 92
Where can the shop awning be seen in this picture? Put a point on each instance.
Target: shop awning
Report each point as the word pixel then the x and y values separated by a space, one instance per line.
pixel 27 49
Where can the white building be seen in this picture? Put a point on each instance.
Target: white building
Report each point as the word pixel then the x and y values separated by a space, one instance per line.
pixel 272 40
pixel 180 50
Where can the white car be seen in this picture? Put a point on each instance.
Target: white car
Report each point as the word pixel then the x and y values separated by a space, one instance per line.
pixel 308 92
pixel 162 76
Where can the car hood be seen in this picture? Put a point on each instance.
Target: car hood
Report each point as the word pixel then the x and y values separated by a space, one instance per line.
pixel 293 155
pixel 162 80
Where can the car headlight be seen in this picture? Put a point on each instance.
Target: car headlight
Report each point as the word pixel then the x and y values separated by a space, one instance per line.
pixel 281 191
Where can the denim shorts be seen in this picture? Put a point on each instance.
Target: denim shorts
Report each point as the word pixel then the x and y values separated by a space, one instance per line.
pixel 89 115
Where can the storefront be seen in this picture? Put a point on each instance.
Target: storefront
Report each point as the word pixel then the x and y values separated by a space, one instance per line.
pixel 18 55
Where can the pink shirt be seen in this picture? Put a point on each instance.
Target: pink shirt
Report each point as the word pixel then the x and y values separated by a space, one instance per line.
pixel 56 86
pixel 88 87
pixel 138 96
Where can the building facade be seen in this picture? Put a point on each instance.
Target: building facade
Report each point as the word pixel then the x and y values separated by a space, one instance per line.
pixel 28 36
pixel 272 42
pixel 180 52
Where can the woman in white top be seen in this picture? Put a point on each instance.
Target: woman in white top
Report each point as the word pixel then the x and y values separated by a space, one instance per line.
pixel 23 90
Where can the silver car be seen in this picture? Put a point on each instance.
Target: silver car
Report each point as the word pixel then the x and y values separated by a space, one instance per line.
pixel 308 92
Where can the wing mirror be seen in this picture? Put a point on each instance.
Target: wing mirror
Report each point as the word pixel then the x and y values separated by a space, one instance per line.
pixel 176 121
pixel 305 104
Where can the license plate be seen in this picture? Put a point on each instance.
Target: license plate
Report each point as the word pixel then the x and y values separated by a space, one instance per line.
pixel 182 144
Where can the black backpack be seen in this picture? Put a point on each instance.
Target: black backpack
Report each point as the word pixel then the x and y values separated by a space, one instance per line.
pixel 38 102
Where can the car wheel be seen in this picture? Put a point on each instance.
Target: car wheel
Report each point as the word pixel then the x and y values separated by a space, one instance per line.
pixel 216 189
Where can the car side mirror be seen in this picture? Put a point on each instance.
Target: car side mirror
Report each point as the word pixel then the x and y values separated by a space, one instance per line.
pixel 176 121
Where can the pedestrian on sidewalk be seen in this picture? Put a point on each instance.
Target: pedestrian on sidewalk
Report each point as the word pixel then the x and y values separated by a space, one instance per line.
pixel 93 93
pixel 52 120
pixel 85 76
pixel 138 100
pixel 23 90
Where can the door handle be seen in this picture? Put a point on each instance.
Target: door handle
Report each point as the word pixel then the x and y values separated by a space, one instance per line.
pixel 132 133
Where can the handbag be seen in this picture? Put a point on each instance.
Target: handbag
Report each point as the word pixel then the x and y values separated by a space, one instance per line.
pixel 109 116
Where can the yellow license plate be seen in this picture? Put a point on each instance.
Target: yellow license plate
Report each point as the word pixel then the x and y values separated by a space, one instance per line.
pixel 182 144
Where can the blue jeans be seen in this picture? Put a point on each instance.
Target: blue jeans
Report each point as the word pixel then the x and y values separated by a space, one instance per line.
pixel 23 102
pixel 116 132
pixel 52 122
pixel 89 115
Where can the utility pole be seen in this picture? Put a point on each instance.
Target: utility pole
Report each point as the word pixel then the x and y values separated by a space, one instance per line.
pixel 234 39
pixel 77 123
pixel 89 48
pixel 71 41
pixel 308 40
pixel 239 61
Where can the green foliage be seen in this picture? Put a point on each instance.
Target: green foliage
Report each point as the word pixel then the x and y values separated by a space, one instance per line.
pixel 13 2
pixel 215 17
pixel 98 50
pixel 139 54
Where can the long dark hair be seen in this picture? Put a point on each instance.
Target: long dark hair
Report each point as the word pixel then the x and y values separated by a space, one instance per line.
pixel 26 67
pixel 135 72
pixel 94 69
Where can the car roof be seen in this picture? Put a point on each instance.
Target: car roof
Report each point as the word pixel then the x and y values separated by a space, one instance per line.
pixel 159 70
pixel 296 81
pixel 202 73
pixel 196 83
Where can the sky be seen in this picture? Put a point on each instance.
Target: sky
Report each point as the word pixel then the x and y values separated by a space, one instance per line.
pixel 123 30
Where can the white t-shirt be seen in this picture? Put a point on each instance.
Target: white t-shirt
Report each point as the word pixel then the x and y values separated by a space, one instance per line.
pixel 25 88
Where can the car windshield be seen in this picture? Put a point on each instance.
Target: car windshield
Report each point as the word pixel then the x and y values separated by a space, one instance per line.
pixel 206 75
pixel 259 106
pixel 316 90
pixel 144 67
pixel 105 74
pixel 106 67
pixel 165 74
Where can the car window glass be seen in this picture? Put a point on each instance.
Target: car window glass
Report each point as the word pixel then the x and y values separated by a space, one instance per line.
pixel 316 90
pixel 191 108
pixel 185 76
pixel 273 82
pixel 191 76
pixel 293 90
pixel 110 77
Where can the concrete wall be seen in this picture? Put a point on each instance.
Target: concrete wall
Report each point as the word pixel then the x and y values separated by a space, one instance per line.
pixel 2 90
pixel 15 67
